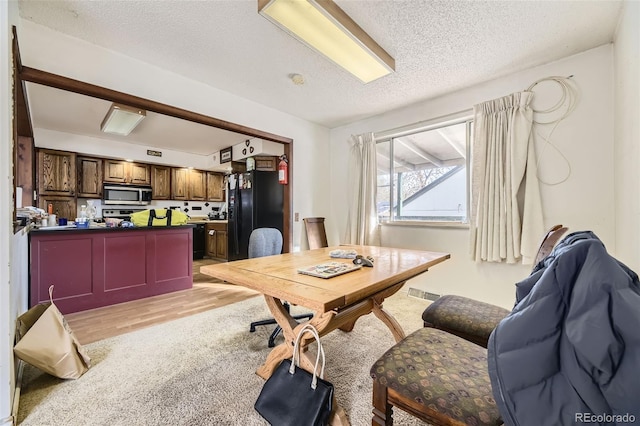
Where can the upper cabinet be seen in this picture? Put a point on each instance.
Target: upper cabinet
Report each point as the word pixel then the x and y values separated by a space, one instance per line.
pixel 197 185
pixel 267 164
pixel 118 171
pixel 89 177
pixel 66 174
pixel 188 184
pixel 161 182
pixel 215 186
pixel 179 184
pixel 57 173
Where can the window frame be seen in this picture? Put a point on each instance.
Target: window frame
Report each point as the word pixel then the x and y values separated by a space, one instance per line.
pixel 428 125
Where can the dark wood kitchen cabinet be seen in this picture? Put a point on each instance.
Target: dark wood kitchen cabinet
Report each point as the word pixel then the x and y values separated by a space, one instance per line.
pixel 63 207
pixel 161 182
pixel 216 240
pixel 179 184
pixel 197 185
pixel 89 177
pixel 267 164
pixel 188 184
pixel 215 186
pixel 56 173
pixel 118 171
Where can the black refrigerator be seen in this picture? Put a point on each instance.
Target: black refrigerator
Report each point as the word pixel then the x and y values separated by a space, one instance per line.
pixel 256 200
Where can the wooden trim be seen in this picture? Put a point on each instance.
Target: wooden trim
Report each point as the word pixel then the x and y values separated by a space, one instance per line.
pixel 64 83
pixel 288 205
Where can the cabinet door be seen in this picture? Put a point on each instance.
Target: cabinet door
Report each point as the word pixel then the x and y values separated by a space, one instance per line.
pixel 56 172
pixel 161 182
pixel 115 171
pixel 221 244
pixel 210 241
pixel 197 185
pixel 179 184
pixel 267 164
pixel 63 207
pixel 139 174
pixel 215 186
pixel 89 177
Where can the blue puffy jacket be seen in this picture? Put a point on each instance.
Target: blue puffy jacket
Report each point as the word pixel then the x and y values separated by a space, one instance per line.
pixel 569 352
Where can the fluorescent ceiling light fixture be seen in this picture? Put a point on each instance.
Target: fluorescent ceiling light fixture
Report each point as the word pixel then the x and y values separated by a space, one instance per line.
pixel 322 25
pixel 121 119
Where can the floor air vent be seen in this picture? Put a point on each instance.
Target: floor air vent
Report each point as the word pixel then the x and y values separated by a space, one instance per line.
pixel 421 294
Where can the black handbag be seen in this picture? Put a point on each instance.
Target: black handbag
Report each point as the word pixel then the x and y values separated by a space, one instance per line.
pixel 295 397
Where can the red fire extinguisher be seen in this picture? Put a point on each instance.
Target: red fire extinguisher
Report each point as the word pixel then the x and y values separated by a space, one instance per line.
pixel 283 170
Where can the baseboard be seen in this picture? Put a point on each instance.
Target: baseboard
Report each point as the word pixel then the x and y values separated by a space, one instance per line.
pixel 421 294
pixel 16 397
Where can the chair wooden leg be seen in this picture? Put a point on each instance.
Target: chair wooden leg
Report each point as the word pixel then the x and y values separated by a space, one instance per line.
pixel 382 410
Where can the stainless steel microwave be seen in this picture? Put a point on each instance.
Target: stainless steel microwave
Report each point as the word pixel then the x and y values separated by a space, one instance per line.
pixel 126 194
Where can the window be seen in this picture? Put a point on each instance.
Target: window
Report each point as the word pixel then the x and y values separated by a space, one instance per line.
pixel 422 173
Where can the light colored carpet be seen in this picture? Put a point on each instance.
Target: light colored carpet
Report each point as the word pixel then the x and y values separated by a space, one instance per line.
pixel 200 370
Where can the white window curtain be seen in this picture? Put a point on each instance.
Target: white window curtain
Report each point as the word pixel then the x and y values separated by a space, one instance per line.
pixel 362 216
pixel 506 216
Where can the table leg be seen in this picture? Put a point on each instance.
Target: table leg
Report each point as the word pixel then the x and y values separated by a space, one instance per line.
pixel 389 321
pixel 325 322
pixel 290 328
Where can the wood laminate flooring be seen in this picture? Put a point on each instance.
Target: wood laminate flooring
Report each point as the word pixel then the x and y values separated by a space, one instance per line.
pixel 207 293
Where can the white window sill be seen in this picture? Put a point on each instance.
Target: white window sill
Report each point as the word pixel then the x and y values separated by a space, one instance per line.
pixel 425 224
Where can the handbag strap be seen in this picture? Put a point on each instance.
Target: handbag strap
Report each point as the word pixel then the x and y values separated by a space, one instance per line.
pixel 308 328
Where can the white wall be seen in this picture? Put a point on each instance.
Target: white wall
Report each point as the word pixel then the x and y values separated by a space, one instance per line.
pixel 584 201
pixel 45 138
pixel 627 135
pixel 52 51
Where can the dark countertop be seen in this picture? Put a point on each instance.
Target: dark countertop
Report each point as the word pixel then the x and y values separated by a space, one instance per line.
pixel 65 229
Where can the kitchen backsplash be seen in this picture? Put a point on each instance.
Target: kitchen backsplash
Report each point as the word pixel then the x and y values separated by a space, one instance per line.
pixel 192 208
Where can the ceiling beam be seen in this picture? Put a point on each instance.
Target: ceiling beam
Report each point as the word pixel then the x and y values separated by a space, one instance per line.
pixel 454 144
pixel 408 143
pixel 64 83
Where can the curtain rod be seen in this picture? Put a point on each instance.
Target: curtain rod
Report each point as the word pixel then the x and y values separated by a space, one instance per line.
pixel 423 125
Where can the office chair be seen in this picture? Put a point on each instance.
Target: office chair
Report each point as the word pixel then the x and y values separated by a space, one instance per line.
pixel 316 233
pixel 268 242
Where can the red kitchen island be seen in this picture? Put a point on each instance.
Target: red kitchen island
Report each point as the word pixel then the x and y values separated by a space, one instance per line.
pixel 95 267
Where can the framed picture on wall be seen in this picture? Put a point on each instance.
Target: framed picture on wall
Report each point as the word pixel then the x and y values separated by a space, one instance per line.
pixel 225 155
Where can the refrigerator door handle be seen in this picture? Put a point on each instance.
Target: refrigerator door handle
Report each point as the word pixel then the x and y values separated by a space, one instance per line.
pixel 238 215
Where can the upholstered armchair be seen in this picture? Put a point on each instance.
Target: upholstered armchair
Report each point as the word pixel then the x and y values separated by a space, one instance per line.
pixel 439 373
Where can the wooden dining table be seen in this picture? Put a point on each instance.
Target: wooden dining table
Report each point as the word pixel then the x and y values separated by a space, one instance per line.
pixel 336 302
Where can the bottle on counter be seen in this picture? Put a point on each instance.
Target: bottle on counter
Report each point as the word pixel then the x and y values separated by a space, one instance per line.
pixel 83 211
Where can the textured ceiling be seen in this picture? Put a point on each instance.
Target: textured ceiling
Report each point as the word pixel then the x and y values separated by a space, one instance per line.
pixel 438 46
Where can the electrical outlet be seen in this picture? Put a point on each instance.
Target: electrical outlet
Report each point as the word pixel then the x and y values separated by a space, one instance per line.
pixel 296 217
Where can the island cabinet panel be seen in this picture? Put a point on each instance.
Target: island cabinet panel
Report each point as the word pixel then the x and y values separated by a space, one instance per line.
pixel 173 246
pixel 95 267
pixel 121 270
